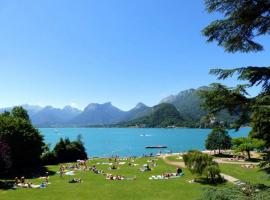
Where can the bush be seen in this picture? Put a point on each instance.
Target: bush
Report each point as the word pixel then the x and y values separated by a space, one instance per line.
pixel 213 173
pixel 247 192
pixel 202 164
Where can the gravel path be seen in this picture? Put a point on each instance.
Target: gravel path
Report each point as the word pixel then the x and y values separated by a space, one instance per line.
pixel 221 160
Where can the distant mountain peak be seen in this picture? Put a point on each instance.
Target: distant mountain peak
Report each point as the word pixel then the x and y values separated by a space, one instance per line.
pixel 48 108
pixel 140 105
pixel 94 106
pixel 169 99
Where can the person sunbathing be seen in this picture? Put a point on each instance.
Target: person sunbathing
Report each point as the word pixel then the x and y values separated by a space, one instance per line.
pixel 17 181
pixel 75 180
pixel 22 180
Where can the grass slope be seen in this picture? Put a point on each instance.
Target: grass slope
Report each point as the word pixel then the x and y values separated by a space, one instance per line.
pixel 95 186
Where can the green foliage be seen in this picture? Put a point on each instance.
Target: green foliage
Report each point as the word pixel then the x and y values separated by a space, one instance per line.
pixel 196 161
pixel 265 164
pixel 242 22
pixel 163 115
pixel 230 193
pixel 200 163
pixel 213 172
pixel 5 156
pixel 20 112
pixel 250 192
pixel 218 139
pixel 254 75
pixel 25 142
pixel 260 119
pixel 220 97
pixel 247 144
pixel 67 151
pixel 49 158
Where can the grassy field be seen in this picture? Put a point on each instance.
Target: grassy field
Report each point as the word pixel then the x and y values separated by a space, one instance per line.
pixel 254 175
pixel 175 158
pixel 95 186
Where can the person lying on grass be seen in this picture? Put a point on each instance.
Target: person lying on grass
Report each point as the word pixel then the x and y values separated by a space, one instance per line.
pixel 75 180
pixel 119 177
pixel 145 168
pixel 22 183
pixel 95 170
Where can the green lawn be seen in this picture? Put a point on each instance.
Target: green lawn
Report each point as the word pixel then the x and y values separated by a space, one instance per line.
pixel 175 158
pixel 254 175
pixel 95 186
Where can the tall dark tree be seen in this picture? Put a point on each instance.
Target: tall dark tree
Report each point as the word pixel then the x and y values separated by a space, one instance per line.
pixel 218 139
pixel 260 119
pixel 67 151
pixel 25 142
pixel 5 156
pixel 20 112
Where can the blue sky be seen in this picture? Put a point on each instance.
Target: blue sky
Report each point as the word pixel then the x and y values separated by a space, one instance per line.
pixel 124 51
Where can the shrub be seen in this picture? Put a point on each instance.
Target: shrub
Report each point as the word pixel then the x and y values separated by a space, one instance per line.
pixel 202 164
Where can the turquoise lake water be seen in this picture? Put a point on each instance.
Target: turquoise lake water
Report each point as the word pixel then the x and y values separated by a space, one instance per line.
pixel 104 142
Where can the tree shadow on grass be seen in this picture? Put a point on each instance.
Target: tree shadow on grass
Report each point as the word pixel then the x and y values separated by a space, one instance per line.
pixel 266 170
pixel 7 179
pixel 206 181
pixel 254 160
pixel 222 156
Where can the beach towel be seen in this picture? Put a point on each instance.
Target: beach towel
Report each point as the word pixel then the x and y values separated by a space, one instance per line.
pixel 70 173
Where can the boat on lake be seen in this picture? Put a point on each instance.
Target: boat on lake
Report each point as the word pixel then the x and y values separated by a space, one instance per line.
pixel 156 147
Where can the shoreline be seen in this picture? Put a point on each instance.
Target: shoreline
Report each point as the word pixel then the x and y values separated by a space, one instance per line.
pixel 209 152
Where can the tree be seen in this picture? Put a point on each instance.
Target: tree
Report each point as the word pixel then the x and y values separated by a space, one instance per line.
pixel 265 164
pixel 67 151
pixel 20 112
pixel 243 21
pixel 260 119
pixel 247 145
pixel 5 156
pixel 25 142
pixel 200 163
pixel 218 139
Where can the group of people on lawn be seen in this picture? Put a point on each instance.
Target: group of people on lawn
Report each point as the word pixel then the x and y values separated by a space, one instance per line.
pixel 21 182
pixel 82 165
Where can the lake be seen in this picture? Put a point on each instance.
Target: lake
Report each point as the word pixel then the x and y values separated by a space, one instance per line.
pixel 104 142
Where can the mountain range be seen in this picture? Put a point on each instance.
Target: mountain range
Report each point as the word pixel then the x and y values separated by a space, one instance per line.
pixel 160 116
pixel 186 102
pixel 91 115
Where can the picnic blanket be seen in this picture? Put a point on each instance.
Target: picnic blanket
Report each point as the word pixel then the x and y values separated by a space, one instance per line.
pixel 161 177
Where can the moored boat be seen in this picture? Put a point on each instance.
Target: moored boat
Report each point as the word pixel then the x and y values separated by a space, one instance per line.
pixel 156 147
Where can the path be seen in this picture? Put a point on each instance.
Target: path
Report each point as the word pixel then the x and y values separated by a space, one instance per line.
pixel 182 164
pixel 221 160
pixel 173 163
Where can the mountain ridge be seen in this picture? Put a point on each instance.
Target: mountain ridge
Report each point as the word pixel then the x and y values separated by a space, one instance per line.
pixel 187 103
